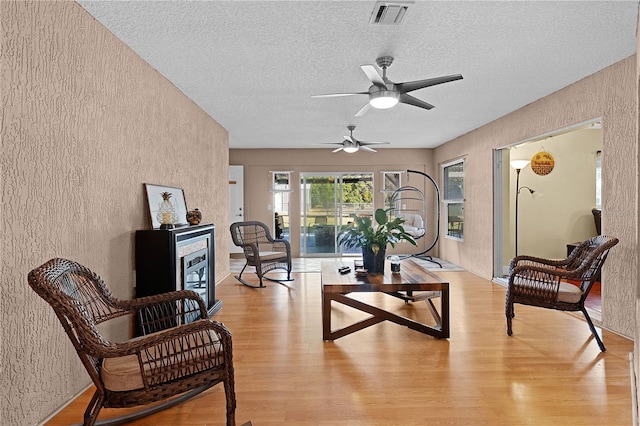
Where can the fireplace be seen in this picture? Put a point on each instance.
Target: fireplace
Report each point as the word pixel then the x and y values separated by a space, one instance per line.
pixel 177 259
pixel 194 272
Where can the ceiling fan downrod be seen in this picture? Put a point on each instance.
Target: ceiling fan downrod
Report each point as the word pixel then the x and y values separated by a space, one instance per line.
pixel 383 63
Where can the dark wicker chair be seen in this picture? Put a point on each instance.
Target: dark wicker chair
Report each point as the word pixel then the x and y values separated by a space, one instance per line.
pixel 543 282
pixel 261 250
pixel 175 361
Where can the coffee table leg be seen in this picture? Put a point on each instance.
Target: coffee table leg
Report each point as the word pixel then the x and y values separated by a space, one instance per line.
pixel 326 317
pixel 444 300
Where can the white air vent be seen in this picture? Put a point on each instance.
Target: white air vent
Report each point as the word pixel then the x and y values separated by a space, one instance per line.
pixel 389 13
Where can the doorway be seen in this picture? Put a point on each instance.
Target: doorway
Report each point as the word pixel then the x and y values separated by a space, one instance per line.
pixel 328 201
pixel 236 201
pixel 281 189
pixel 554 210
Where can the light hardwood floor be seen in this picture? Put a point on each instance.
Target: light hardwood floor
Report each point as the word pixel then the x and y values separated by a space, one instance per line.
pixel 550 372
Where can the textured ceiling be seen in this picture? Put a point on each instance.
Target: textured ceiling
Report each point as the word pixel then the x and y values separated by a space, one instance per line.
pixel 253 66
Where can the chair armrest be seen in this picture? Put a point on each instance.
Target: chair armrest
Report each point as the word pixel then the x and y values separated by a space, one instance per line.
pixel 524 260
pixel 268 239
pixel 185 350
pixel 539 282
pixel 149 301
pixel 535 281
pixel 169 338
pixel 552 272
pixel 253 249
pixel 281 245
pixel 166 310
pixel 172 354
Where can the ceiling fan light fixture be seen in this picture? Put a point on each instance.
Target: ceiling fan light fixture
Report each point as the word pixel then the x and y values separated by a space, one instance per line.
pixel 350 149
pixel 384 99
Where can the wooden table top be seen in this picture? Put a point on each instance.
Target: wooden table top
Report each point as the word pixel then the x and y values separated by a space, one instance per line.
pixel 412 277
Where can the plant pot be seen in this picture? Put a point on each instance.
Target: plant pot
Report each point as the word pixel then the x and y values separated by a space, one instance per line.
pixel 373 263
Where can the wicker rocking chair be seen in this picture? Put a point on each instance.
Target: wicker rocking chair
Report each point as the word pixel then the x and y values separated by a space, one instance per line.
pixel 543 282
pixel 261 250
pixel 181 354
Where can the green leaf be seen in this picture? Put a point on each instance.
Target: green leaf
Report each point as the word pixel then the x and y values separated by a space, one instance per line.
pixel 381 216
pixel 362 234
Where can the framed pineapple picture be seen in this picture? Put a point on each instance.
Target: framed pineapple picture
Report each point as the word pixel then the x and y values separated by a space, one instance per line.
pixel 167 206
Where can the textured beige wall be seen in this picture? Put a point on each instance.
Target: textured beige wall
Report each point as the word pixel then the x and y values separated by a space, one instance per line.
pixel 611 94
pixel 259 162
pixel 85 122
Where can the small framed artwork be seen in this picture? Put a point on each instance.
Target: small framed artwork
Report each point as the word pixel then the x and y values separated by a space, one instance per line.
pixel 155 200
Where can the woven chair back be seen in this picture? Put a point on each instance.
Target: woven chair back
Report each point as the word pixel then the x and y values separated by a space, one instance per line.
pixel 80 300
pixel 589 257
pixel 250 233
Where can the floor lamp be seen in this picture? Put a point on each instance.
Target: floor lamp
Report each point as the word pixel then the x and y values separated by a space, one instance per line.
pixel 518 165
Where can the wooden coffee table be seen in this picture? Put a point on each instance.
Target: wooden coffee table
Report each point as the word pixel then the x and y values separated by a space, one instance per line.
pixel 412 279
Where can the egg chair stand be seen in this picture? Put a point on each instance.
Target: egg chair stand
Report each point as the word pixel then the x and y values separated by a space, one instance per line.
pixel 410 203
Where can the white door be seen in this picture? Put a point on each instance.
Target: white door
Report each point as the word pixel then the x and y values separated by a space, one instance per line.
pixel 236 200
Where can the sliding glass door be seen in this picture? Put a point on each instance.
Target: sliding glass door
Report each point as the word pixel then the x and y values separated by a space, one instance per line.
pixel 318 213
pixel 328 201
pixel 356 199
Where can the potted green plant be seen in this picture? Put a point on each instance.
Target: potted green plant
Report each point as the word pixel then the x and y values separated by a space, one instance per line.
pixel 373 238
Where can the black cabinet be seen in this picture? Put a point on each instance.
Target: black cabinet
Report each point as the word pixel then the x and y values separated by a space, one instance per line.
pixel 177 259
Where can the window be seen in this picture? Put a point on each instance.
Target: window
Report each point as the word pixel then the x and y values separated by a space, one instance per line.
pixel 281 181
pixel 281 188
pixel 453 198
pixel 391 181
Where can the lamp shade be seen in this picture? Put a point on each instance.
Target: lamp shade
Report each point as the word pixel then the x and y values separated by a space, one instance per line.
pixel 383 99
pixel 536 194
pixel 350 149
pixel 519 164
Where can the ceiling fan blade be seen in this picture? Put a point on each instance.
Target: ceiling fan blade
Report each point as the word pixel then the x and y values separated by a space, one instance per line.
pixel 372 143
pixel 373 75
pixel 421 84
pixel 363 110
pixel 327 143
pixel 334 95
pixel 408 99
pixel 336 150
pixel 366 148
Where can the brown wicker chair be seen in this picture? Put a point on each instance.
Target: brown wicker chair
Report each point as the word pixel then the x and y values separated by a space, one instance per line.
pixel 261 250
pixel 183 354
pixel 543 282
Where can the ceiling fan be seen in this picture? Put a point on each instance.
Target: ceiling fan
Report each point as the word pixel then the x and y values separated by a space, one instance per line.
pixel 351 144
pixel 384 93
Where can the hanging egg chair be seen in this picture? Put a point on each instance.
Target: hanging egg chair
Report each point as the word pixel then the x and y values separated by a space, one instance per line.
pixel 409 203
